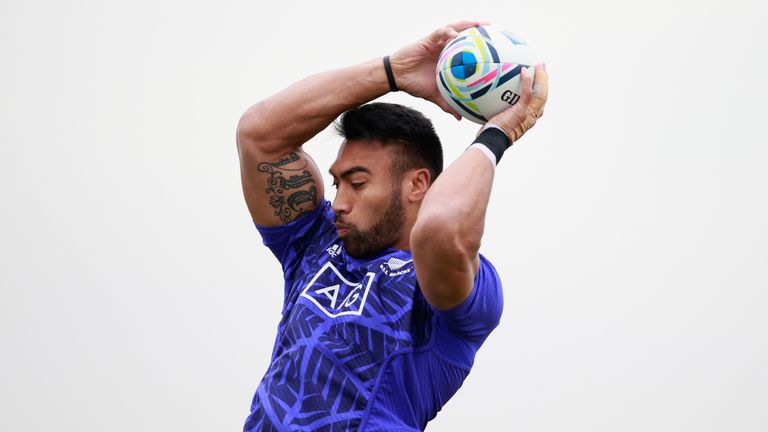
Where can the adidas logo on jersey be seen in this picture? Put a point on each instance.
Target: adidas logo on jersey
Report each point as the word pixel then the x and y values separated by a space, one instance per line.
pixel 396 267
pixel 334 250
pixel 335 295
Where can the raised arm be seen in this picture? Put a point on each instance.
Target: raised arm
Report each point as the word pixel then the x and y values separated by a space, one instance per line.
pixel 446 237
pixel 281 181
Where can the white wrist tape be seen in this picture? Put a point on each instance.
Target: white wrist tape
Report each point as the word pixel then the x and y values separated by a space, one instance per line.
pixel 486 151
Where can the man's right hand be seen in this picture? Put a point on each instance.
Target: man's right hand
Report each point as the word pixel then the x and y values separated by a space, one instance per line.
pixel 414 65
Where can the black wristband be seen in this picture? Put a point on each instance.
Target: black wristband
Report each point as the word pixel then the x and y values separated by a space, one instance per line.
pixel 390 75
pixel 496 141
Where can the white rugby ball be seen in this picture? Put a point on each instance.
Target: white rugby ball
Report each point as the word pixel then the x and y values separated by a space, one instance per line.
pixel 478 72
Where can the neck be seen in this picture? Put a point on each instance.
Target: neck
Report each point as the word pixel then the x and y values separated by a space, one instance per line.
pixel 404 243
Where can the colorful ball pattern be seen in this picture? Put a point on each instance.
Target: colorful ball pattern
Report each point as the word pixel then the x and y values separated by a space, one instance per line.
pixel 478 72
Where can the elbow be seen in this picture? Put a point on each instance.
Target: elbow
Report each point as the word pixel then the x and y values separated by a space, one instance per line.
pixel 252 129
pixel 445 235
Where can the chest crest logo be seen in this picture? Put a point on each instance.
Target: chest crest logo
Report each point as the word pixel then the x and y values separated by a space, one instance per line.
pixel 396 267
pixel 335 295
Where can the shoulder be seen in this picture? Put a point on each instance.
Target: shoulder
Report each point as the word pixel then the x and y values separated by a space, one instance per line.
pixel 295 239
pixel 472 321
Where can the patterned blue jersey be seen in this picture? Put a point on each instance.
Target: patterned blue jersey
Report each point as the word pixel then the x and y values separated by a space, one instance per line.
pixel 358 347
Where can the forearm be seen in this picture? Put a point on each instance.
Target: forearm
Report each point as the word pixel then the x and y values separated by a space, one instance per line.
pixel 446 236
pixel 457 201
pixel 290 118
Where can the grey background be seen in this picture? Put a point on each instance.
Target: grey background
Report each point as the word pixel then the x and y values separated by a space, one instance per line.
pixel 629 226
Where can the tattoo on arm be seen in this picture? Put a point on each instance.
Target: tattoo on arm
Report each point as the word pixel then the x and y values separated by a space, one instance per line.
pixel 289 203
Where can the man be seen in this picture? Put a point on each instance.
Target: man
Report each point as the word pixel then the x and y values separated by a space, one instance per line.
pixel 386 296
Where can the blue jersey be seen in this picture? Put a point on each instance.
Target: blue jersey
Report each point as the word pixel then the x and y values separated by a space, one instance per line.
pixel 358 347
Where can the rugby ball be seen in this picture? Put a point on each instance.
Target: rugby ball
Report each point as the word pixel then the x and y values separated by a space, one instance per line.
pixel 478 72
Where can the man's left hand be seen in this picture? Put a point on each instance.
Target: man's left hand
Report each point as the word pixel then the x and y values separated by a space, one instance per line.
pixel 517 119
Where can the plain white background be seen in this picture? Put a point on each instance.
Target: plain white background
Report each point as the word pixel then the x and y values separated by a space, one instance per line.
pixel 629 226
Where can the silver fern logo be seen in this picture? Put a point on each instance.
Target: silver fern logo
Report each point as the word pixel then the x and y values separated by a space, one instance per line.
pixel 396 267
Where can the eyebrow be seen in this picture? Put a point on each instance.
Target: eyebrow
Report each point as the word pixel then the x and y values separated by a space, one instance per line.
pixel 349 172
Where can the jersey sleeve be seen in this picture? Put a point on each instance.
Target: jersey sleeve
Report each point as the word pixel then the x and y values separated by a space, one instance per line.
pixel 466 326
pixel 287 242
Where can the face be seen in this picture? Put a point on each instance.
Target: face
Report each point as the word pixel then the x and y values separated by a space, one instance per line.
pixel 369 205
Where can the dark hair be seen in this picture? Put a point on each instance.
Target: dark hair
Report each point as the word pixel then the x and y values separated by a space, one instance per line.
pixel 399 125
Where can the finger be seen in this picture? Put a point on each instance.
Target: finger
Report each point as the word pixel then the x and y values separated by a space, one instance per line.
pixel 441 36
pixel 526 87
pixel 439 101
pixel 540 89
pixel 445 34
pixel 463 25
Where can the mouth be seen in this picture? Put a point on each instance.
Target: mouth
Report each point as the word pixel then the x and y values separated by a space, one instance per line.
pixel 341 229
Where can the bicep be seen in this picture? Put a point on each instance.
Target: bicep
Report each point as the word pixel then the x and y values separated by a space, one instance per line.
pixel 477 315
pixel 278 187
pixel 445 273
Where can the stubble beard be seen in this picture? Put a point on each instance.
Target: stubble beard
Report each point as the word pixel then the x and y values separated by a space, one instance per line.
pixel 383 234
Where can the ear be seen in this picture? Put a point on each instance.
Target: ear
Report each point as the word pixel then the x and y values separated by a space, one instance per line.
pixel 418 183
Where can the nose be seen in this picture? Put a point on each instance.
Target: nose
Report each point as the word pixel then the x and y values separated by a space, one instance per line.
pixel 340 202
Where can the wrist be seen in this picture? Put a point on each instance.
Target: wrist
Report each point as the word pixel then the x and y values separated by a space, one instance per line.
pixel 492 125
pixel 375 77
pixel 402 72
pixel 390 74
pixel 493 141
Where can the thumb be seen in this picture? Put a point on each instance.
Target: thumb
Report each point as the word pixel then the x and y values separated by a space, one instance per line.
pixel 442 35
